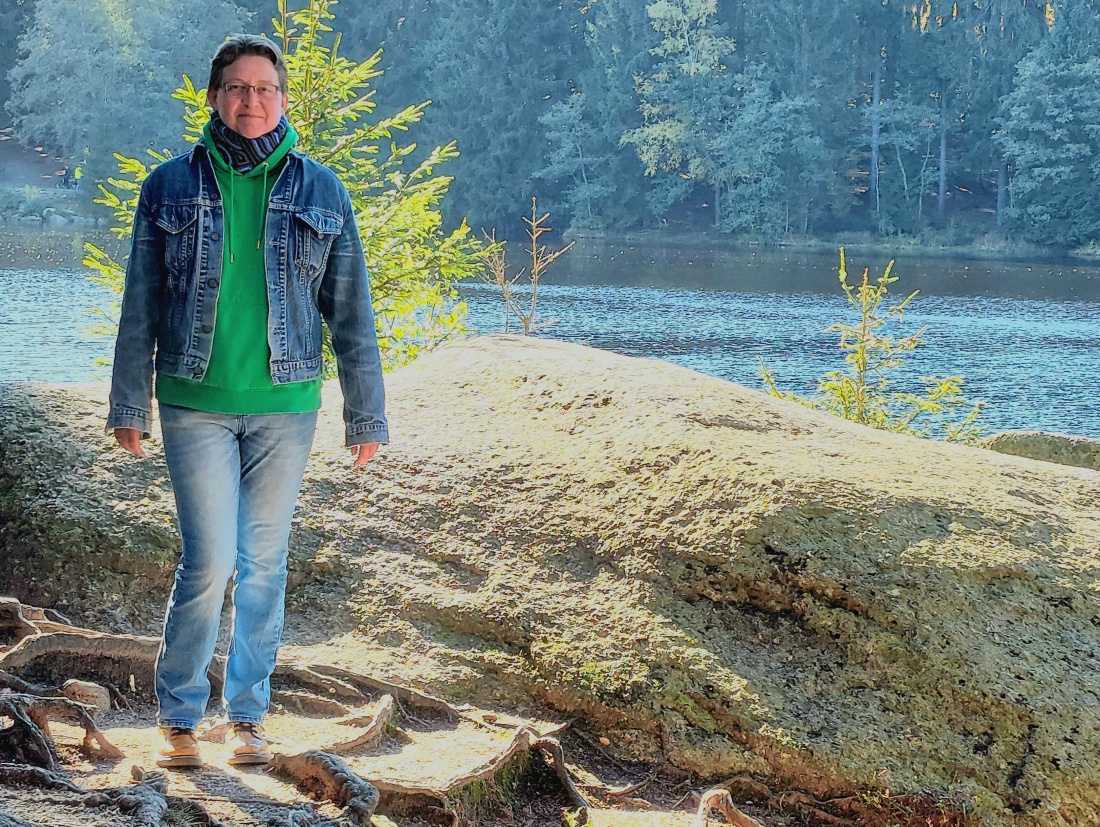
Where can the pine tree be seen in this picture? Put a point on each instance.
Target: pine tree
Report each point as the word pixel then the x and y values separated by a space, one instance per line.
pixel 1051 132
pixel 573 161
pixel 492 68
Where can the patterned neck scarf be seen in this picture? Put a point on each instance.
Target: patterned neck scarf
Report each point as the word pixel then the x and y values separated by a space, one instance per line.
pixel 241 153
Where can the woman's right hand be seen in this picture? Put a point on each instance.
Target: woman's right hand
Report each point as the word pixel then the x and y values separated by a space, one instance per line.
pixel 130 440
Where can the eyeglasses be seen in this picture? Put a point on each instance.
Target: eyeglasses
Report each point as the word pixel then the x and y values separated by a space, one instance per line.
pixel 265 91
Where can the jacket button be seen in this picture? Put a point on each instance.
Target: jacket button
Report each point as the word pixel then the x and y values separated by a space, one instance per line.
pixel 214 236
pixel 197 373
pixel 211 282
pixel 207 328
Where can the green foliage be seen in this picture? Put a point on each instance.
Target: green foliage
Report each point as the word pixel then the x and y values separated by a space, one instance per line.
pixel 770 160
pixel 624 114
pixel 15 16
pixel 492 69
pixel 94 76
pixel 686 95
pixel 413 263
pixel 575 163
pixel 862 391
pixel 1051 132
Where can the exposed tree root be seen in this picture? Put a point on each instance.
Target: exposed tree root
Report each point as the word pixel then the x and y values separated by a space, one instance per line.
pixel 308 704
pixel 322 775
pixel 25 742
pixel 8 820
pixel 868 810
pixel 124 660
pixel 14 684
pixel 374 725
pixel 719 799
pixel 36 653
pixel 524 740
pixel 24 709
pixel 18 620
pixel 367 686
pixel 628 789
pixel 145 802
pixel 14 622
pixel 551 748
pixel 24 775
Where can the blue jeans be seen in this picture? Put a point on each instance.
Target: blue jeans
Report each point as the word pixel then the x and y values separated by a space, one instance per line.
pixel 236 479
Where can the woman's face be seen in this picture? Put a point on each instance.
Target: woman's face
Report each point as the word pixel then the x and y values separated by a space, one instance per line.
pixel 247 112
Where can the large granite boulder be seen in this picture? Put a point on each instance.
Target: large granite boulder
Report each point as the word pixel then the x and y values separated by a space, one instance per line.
pixel 1063 449
pixel 694 569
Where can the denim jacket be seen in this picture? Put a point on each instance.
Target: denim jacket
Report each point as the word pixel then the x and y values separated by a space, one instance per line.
pixel 315 268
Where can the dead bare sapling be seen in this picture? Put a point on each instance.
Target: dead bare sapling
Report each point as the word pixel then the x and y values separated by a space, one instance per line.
pixel 516 303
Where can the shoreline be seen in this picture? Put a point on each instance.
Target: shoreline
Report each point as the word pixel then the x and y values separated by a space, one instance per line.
pixel 904 247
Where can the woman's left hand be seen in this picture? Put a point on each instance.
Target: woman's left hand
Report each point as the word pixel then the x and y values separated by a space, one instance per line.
pixel 363 453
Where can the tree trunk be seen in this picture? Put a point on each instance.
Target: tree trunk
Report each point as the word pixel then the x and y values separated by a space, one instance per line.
pixel 876 130
pixel 1002 191
pixel 941 198
pixel 717 206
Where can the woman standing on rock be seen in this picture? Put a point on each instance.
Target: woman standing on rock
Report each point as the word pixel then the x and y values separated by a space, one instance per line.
pixel 239 249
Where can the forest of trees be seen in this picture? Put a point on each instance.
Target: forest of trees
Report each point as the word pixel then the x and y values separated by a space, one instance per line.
pixel 950 119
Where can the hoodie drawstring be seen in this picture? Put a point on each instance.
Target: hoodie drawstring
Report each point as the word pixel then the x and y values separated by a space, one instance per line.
pixel 263 209
pixel 226 212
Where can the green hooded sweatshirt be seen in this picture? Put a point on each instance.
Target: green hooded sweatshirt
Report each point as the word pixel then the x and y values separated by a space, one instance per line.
pixel 238 379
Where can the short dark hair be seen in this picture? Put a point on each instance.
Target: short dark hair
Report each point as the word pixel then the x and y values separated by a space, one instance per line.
pixel 238 45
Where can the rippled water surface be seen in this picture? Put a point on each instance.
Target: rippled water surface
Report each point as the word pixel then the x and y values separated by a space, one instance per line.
pixel 1025 336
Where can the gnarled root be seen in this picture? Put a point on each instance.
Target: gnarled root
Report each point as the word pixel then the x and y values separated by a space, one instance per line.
pixel 124 660
pixel 719 799
pixel 24 775
pixel 8 820
pixel 147 802
pixel 374 725
pixel 323 775
pixel 551 748
pixel 38 711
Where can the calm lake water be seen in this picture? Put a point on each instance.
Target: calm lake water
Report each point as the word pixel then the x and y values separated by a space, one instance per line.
pixel 1025 335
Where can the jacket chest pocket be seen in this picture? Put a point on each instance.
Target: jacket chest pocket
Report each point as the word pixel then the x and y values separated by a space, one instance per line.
pixel 180 225
pixel 314 232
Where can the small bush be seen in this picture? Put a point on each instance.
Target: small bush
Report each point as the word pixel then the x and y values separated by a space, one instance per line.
pixel 862 390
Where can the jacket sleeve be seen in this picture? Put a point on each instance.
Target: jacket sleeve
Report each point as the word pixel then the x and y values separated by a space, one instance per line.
pixel 345 303
pixel 132 374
